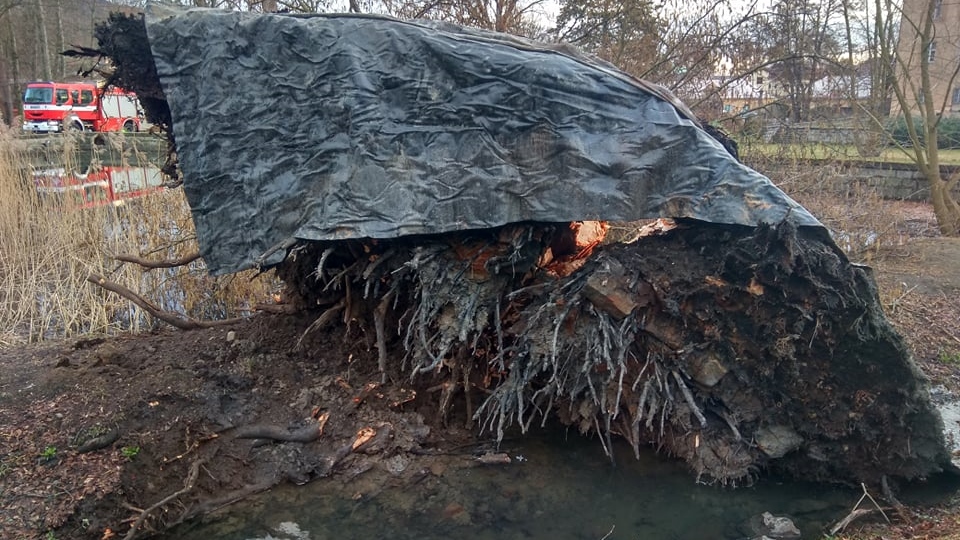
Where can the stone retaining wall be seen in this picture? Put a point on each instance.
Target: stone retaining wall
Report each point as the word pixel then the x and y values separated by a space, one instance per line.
pixel 899 181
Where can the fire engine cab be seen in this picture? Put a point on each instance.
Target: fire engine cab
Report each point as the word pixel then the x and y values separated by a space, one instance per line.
pixel 82 106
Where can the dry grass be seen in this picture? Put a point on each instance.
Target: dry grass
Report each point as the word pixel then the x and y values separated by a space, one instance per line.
pixel 48 247
pixel 861 221
pixel 846 152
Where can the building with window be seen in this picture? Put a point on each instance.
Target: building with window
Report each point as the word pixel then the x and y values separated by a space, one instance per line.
pixel 939 50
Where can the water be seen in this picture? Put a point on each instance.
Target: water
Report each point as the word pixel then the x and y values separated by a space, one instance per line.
pixel 560 488
pixel 949 407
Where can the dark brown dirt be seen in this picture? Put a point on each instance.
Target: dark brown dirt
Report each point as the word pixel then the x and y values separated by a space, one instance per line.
pixel 178 400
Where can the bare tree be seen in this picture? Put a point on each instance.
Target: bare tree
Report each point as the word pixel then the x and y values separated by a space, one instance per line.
pixel 306 6
pixel 622 32
pixel 678 43
pixel 511 16
pixel 800 38
pixel 9 61
pixel 915 90
pixel 61 67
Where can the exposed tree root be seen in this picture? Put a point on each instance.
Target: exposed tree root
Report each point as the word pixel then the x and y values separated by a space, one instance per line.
pixel 305 434
pixel 733 348
pixel 188 484
pixel 150 264
pixel 174 319
pixel 328 317
pixel 224 500
pixel 99 443
pixel 367 440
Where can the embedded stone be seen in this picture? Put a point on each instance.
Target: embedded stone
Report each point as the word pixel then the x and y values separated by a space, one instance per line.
pixel 777 441
pixel 607 288
pixel 706 369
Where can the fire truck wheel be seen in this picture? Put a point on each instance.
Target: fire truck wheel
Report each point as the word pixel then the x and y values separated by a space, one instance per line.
pixel 72 124
pixel 129 127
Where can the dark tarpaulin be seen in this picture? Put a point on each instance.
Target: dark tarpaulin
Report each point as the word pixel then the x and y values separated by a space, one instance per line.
pixel 334 127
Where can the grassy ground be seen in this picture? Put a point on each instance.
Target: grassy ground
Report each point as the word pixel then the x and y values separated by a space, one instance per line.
pixel 755 150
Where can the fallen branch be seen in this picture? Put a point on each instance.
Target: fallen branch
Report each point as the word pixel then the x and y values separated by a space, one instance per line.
pixel 153 265
pixel 858 512
pixel 896 303
pixel 173 319
pixel 851 517
pixel 188 486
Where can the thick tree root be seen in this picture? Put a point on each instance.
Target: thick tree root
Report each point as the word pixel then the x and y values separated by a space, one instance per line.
pixel 173 319
pixel 305 434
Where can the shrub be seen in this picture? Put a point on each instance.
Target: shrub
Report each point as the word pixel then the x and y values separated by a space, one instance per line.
pixel 948 132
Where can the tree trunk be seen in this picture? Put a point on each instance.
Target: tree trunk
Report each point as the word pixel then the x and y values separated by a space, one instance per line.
pixel 61 60
pixel 13 86
pixel 945 205
pixel 6 95
pixel 44 45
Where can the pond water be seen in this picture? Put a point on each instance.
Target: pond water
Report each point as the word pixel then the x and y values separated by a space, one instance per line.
pixel 558 487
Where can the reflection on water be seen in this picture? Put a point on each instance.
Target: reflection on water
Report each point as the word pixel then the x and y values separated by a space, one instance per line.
pixel 558 488
pixel 99 186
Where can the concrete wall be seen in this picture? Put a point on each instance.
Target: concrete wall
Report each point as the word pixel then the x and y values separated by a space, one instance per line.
pixel 892 180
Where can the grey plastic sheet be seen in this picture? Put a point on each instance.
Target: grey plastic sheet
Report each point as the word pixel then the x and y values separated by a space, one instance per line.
pixel 341 127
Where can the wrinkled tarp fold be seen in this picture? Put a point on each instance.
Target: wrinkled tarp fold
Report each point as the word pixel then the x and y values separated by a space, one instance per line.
pixel 336 127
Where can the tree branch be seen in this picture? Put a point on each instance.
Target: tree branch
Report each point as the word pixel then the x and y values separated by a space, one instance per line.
pixel 149 264
pixel 188 485
pixel 174 319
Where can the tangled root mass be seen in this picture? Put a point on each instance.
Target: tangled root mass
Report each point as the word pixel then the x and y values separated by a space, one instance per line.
pixel 733 348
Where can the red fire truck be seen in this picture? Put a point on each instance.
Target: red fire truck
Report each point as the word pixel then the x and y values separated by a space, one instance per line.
pixel 81 106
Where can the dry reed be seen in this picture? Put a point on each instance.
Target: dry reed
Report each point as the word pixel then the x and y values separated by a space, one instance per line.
pixel 49 245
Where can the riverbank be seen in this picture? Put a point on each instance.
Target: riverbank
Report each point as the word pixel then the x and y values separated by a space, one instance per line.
pixel 199 417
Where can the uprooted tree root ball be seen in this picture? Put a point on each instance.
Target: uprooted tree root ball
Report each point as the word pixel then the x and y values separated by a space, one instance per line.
pixel 735 349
